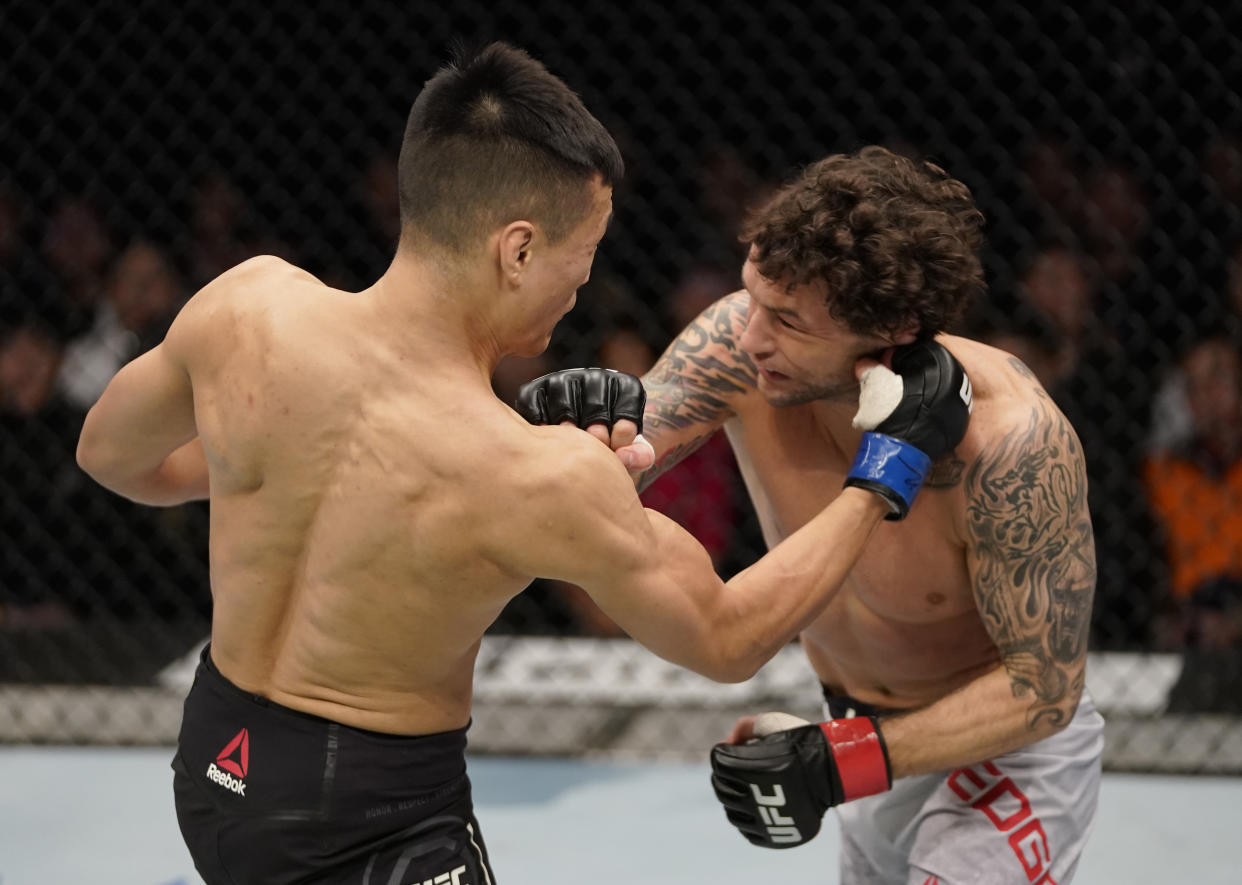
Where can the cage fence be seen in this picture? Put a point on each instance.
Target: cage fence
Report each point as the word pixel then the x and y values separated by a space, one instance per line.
pixel 146 147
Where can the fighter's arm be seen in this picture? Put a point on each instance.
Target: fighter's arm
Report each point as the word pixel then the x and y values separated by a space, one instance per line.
pixel 1032 563
pixel 692 388
pixel 140 438
pixel 584 524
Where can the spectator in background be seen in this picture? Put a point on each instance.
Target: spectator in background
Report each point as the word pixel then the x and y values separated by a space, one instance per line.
pixel 371 228
pixel 37 475
pixel 70 552
pixel 379 198
pixel 225 230
pixel 1217 205
pixel 142 294
pixel 26 288
pixel 1058 287
pixel 728 189
pixel 1172 424
pixel 1233 286
pixel 1222 162
pixel 698 289
pixel 1116 218
pixel 1196 492
pixel 217 210
pixel 1106 397
pixel 1052 181
pixel 77 248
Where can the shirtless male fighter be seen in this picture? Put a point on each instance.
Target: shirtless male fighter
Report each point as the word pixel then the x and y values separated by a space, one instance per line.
pixel 374 505
pixel 952 657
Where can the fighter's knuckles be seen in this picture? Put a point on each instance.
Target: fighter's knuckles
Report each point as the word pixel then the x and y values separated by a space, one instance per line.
pixel 624 431
pixel 584 396
pixel 531 402
pixel 926 402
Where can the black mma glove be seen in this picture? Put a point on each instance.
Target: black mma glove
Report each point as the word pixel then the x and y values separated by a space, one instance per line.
pixel 776 789
pixel 914 414
pixel 583 396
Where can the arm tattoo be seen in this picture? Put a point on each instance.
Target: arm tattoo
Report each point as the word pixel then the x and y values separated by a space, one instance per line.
pixel 690 386
pixel 945 474
pixel 1033 560
pixel 1026 372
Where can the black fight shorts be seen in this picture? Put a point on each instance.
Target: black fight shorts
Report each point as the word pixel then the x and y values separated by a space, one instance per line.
pixel 266 795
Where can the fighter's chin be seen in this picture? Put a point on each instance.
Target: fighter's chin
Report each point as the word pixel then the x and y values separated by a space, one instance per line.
pixel 777 394
pixel 534 348
pixel 778 388
pixel 780 399
pixel 781 390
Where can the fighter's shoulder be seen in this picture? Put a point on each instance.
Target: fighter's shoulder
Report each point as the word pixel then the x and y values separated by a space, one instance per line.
pixel 555 481
pixel 1012 410
pixel 547 457
pixel 211 321
pixel 256 279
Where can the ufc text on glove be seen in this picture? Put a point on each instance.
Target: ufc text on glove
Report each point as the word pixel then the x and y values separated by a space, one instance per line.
pixel 776 789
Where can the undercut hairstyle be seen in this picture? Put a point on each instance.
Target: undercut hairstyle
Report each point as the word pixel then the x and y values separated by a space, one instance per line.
pixel 895 241
pixel 493 138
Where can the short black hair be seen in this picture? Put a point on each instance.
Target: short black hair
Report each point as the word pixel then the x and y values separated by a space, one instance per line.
pixel 494 137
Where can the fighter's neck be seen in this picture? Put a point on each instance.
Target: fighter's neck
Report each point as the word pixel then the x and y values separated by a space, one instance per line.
pixel 424 312
pixel 833 419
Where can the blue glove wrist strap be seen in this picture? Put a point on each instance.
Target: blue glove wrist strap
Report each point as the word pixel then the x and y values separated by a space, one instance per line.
pixel 891 463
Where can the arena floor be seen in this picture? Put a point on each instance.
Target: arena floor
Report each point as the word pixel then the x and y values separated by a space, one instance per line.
pixel 105 816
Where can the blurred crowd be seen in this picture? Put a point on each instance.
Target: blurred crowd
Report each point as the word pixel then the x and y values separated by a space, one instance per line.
pixel 1133 332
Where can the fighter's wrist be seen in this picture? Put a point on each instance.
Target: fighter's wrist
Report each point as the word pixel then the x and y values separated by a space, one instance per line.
pixel 890 467
pixel 859 755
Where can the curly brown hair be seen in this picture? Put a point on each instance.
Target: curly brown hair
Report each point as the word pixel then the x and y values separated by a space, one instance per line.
pixel 896 241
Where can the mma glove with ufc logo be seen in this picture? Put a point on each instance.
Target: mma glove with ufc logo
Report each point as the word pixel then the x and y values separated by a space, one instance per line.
pixel 776 788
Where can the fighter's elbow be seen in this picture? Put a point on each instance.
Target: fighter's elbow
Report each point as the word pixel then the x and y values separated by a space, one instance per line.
pixel 726 673
pixel 742 672
pixel 99 457
pixel 92 453
pixel 720 663
pixel 1055 718
pixel 1069 708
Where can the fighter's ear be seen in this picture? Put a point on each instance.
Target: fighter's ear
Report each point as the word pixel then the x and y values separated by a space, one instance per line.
pixel 514 248
pixel 906 335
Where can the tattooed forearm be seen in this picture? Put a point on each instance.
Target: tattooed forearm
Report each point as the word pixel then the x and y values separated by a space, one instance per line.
pixel 692 385
pixel 700 370
pixel 1033 560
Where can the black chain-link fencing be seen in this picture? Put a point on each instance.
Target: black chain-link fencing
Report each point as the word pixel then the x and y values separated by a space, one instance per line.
pixel 145 147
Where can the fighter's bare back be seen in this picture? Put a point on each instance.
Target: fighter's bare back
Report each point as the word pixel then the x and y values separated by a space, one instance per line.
pixel 345 564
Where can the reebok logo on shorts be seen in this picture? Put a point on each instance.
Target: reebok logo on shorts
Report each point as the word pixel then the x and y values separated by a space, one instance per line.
pixel 224 769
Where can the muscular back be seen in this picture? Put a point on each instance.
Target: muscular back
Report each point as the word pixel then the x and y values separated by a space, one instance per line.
pixel 341 580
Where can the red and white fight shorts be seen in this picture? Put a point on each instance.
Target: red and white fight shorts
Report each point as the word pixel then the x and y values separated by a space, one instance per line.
pixel 1020 819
